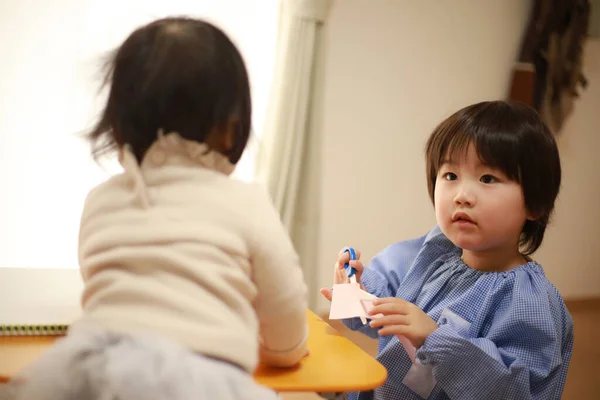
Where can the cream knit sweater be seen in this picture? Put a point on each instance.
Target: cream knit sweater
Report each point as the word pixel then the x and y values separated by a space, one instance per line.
pixel 176 248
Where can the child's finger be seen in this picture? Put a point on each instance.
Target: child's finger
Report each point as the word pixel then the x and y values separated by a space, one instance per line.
pixel 339 276
pixel 394 319
pixel 387 300
pixel 343 259
pixel 357 265
pixel 343 252
pixel 401 330
pixel 327 293
pixel 388 308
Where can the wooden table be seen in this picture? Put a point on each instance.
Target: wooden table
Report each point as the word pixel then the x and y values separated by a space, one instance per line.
pixel 334 364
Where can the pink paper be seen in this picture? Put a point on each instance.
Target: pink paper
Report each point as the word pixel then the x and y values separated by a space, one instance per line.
pixel 349 301
pixel 410 349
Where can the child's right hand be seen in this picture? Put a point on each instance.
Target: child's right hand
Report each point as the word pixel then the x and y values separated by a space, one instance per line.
pixel 339 273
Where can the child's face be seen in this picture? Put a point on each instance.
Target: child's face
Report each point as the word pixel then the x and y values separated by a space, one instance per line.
pixel 477 207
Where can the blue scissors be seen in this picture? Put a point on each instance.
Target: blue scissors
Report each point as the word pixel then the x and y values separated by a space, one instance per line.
pixel 350 271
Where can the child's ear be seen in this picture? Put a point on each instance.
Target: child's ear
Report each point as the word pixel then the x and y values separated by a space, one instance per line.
pixel 222 138
pixel 533 216
pixel 230 134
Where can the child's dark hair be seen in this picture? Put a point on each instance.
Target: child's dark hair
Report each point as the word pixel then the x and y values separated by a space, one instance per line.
pixel 176 74
pixel 513 138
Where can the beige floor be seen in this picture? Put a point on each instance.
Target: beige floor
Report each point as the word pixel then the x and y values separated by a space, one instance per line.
pixel 583 381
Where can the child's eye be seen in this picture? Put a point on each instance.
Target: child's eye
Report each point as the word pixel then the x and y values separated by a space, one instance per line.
pixel 488 179
pixel 450 176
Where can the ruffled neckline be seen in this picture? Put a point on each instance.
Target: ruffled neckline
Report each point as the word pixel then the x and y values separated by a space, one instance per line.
pixel 457 262
pixel 172 149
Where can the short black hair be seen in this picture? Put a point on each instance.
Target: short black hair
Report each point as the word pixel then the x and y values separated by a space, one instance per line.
pixel 175 74
pixel 513 138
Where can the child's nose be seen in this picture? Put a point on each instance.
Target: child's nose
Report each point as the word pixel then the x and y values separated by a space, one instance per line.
pixel 464 197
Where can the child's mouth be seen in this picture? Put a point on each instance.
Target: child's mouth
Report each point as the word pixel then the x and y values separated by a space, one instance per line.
pixel 463 219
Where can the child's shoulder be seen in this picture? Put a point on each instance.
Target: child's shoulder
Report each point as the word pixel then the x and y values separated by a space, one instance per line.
pixel 185 188
pixel 530 296
pixel 431 245
pixel 531 284
pixel 415 243
pixel 402 254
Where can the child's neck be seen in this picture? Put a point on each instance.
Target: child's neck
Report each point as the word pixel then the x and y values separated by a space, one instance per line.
pixel 493 260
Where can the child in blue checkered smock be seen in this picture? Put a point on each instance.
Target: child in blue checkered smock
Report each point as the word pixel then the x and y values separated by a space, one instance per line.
pixel 464 312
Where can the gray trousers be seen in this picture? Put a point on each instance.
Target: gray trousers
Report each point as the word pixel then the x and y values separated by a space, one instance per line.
pixel 103 366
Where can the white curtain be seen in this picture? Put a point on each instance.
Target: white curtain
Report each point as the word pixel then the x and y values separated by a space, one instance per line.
pixel 48 95
pixel 282 162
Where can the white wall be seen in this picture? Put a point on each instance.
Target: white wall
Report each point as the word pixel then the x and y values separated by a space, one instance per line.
pixel 392 70
pixel 571 250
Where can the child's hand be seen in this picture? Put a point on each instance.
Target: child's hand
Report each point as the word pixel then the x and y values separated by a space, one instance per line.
pixel 402 318
pixel 339 273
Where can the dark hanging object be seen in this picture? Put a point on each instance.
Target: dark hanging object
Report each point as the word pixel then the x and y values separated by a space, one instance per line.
pixel 552 56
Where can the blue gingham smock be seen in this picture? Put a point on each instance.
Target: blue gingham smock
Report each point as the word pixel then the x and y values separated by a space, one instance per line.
pixel 501 335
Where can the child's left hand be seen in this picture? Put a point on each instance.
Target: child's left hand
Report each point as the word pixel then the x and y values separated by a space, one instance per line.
pixel 402 318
